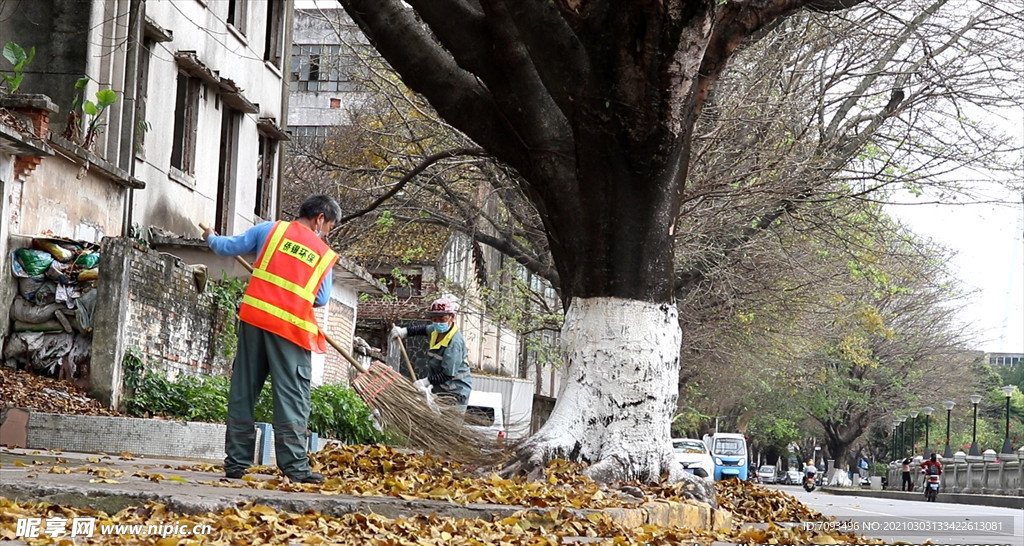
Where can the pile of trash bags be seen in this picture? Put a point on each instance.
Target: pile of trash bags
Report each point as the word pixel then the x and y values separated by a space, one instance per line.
pixel 52 313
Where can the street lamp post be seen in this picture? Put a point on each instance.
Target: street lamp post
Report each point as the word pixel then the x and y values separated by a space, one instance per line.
pixel 903 435
pixel 975 398
pixel 1007 446
pixel 913 432
pixel 927 411
pixel 948 453
pixel 895 455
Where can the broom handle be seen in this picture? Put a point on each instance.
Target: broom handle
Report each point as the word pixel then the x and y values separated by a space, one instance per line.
pixel 408 363
pixel 334 343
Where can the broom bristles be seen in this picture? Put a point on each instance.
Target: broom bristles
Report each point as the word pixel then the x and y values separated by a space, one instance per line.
pixel 402 407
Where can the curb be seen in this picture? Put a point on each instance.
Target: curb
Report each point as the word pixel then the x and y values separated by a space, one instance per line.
pixel 201 498
pixel 21 427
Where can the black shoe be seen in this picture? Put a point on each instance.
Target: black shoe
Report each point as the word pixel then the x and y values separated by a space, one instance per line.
pixel 312 477
pixel 234 474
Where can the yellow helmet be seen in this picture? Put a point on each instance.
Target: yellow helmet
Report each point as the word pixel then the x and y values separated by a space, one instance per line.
pixel 810 463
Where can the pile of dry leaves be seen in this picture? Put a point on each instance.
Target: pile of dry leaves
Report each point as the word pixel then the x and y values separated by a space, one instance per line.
pixel 22 389
pixel 260 524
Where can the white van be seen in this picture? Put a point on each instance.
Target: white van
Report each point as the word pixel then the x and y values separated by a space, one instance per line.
pixel 484 413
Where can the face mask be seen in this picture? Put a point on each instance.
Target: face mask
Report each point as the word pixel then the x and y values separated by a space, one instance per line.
pixel 442 327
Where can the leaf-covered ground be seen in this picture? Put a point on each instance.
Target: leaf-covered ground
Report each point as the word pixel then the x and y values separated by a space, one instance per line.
pixel 27 390
pixel 256 524
pixel 380 470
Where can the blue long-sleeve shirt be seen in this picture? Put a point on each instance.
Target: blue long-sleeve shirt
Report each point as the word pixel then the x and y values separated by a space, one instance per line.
pixel 251 241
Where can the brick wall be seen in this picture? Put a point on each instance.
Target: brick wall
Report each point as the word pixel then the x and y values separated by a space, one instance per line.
pixel 340 323
pixel 149 301
pixel 168 319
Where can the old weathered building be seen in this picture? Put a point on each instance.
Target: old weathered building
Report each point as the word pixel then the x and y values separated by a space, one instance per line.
pixel 194 135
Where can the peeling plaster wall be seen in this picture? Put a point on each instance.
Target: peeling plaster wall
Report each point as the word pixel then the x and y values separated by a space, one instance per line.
pixel 55 199
pixel 7 205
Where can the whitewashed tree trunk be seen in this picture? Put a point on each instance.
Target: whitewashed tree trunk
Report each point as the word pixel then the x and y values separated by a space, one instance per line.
pixel 619 395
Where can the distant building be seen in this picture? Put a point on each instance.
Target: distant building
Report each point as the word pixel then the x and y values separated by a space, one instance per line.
pixel 1005 359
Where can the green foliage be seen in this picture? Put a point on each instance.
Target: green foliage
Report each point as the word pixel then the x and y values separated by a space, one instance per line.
pixel 336 410
pixel 688 421
pixel 192 398
pixel 385 221
pixel 16 55
pixel 775 431
pixel 92 110
pixel 227 294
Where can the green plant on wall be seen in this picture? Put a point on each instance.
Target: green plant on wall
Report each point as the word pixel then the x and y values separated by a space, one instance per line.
pixel 227 294
pixel 93 112
pixel 17 56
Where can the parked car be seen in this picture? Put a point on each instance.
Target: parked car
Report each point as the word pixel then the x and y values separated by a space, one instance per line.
pixel 484 413
pixel 694 456
pixel 766 473
pixel 791 477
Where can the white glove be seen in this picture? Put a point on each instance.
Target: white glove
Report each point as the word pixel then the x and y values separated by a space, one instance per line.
pixel 423 385
pixel 398 331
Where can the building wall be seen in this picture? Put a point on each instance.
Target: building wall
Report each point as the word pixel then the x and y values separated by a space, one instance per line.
pixel 171 202
pixel 149 301
pixel 79 204
pixel 8 208
pixel 59 30
pixel 315 108
pixel 340 322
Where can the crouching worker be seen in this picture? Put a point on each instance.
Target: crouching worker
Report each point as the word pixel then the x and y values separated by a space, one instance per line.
pixel 448 358
pixel 278 331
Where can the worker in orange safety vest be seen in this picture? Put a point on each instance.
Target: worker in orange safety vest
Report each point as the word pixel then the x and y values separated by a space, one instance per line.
pixel 278 332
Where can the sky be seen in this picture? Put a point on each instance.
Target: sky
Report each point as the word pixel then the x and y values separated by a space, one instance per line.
pixel 988 240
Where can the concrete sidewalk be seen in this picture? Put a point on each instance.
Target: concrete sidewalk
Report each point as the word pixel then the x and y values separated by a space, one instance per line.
pixel 1000 501
pixel 192 486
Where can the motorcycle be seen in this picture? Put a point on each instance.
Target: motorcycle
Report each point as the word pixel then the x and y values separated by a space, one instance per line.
pixel 931 487
pixel 809 482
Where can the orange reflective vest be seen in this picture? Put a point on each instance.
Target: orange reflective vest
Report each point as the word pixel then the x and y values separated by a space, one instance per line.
pixel 285 280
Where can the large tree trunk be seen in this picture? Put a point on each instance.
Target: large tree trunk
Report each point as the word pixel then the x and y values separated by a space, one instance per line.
pixel 594 104
pixel 619 395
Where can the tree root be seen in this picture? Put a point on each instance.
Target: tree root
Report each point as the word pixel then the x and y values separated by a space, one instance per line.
pixel 533 456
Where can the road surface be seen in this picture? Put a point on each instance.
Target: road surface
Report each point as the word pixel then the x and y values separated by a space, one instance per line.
pixel 914 522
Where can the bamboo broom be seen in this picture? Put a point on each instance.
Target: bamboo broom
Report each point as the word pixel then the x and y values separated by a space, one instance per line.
pixel 401 407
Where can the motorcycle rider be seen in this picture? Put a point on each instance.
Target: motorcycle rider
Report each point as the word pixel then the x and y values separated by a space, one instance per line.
pixel 932 466
pixel 809 470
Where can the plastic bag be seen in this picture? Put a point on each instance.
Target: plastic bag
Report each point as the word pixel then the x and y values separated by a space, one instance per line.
pixel 88 260
pixel 33 262
pixel 89 274
pixel 60 253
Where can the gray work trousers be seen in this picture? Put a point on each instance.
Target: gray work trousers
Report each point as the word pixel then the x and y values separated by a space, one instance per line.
pixel 261 353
